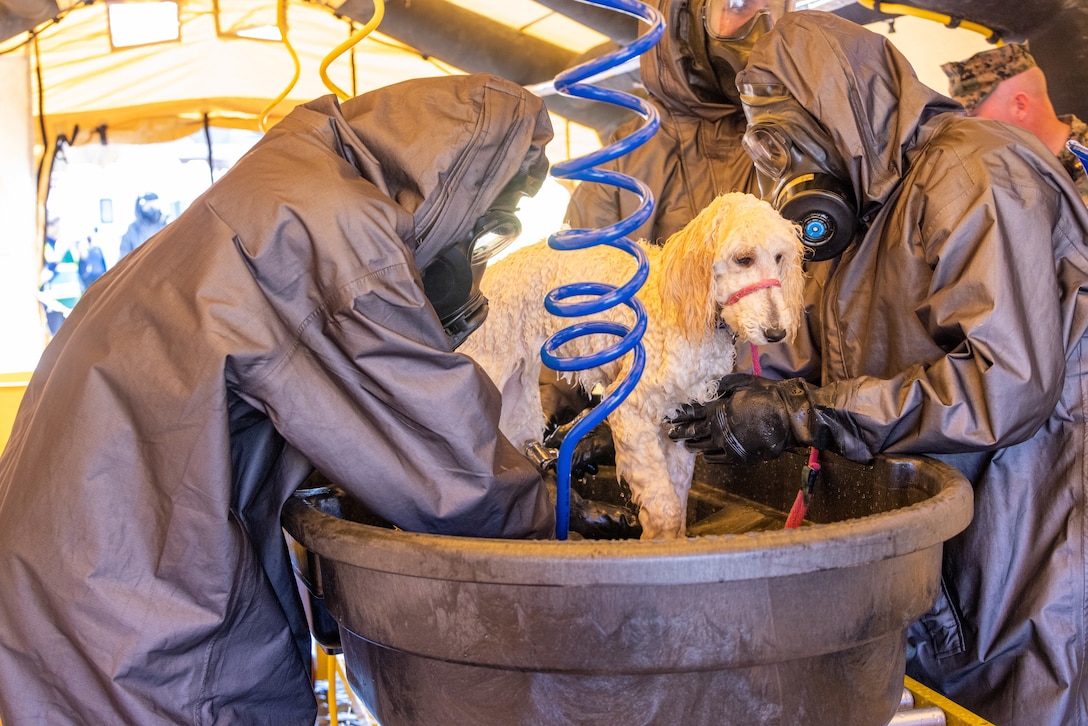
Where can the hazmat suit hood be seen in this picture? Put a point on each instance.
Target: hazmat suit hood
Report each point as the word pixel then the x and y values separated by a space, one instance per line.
pixel 887 104
pixel 488 137
pixel 664 67
pixel 695 155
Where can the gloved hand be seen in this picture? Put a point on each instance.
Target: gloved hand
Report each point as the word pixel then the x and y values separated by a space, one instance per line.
pixel 593 449
pixel 597 520
pixel 596 447
pixel 757 418
pixel 560 399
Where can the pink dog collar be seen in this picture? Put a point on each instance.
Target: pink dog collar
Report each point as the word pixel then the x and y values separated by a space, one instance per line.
pixel 754 287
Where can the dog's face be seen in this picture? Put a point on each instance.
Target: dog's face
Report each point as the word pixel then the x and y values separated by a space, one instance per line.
pixel 744 259
pixel 758 281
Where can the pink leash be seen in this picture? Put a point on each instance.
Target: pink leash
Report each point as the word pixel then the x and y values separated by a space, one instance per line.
pixel 808 476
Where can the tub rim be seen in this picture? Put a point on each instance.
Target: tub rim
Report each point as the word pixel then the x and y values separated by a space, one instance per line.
pixel 692 560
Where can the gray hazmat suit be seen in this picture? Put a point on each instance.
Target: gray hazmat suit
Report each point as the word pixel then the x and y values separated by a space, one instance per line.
pixel 695 155
pixel 278 324
pixel 955 326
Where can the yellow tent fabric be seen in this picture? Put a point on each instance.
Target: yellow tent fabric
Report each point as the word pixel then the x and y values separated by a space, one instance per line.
pixel 162 91
pixel 12 387
pixel 21 334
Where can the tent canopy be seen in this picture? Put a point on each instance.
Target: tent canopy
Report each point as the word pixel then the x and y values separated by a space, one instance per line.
pixel 164 91
pixel 530 41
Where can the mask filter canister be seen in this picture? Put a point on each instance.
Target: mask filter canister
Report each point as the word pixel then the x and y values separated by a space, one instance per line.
pixel 822 206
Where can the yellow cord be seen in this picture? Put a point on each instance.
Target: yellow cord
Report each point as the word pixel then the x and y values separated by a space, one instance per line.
pixel 379 13
pixel 281 23
pixel 948 20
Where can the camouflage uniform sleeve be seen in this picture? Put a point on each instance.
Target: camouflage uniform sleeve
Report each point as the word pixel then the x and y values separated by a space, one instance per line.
pixel 1077 130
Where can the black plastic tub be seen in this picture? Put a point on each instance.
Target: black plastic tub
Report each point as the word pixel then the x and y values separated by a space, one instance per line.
pixel 763 626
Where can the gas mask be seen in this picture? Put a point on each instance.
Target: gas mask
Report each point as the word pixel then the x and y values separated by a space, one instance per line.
pixel 803 191
pixel 452 280
pixel 720 36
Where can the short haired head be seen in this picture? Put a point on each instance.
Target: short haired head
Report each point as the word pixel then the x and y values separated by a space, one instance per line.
pixel 971 81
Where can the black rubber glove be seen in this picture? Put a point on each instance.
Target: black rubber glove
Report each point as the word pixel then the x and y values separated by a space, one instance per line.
pixel 755 419
pixel 595 448
pixel 562 400
pixel 597 520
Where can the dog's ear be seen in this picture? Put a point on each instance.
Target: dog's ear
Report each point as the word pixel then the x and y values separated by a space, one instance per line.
pixel 793 279
pixel 687 270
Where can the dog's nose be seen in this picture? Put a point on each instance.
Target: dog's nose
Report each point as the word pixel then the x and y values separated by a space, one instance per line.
pixel 774 335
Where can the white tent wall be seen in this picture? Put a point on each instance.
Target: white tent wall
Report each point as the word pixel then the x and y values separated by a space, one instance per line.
pixel 22 329
pixel 145 94
pixel 927 45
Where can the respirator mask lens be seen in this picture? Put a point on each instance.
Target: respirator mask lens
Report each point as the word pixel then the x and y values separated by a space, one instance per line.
pixel 731 19
pixel 452 280
pixel 821 204
pixel 493 233
pixel 769 149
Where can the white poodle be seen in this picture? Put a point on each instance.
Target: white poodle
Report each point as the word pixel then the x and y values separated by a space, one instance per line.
pixel 732 274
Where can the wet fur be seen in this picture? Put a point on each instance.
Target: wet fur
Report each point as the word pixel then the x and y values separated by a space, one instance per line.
pixel 735 242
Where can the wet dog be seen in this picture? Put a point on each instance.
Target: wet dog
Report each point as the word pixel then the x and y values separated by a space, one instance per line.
pixel 733 274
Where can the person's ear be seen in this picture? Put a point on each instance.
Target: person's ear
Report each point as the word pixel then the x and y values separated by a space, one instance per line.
pixel 1020 105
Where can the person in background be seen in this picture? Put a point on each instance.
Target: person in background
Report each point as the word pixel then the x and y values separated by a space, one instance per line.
pixel 1006 84
pixel 300 314
pixel 92 263
pixel 696 154
pixel 148 220
pixel 60 288
pixel 953 324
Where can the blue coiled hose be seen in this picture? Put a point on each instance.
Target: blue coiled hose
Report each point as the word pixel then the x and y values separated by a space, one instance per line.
pixel 602 296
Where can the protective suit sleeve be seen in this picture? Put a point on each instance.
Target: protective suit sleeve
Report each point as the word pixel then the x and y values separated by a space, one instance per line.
pixel 993 369
pixel 372 397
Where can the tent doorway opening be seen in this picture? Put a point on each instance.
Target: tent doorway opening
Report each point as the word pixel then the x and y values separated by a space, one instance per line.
pixel 106 199
pixel 95 189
